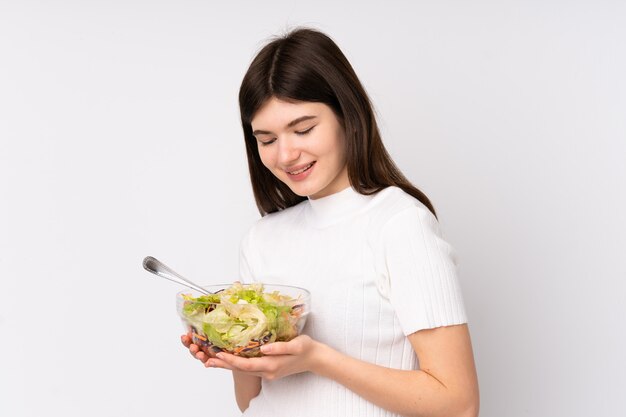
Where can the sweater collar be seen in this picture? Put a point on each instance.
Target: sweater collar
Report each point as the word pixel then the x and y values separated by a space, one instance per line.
pixel 335 207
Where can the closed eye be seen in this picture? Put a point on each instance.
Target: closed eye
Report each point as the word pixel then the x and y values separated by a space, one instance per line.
pixel 304 132
pixel 267 142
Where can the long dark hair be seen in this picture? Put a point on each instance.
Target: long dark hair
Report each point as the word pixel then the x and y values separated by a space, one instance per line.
pixel 306 65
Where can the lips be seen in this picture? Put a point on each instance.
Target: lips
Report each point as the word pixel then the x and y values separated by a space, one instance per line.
pixel 300 169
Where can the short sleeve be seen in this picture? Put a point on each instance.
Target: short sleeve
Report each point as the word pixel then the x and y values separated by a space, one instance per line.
pixel 420 272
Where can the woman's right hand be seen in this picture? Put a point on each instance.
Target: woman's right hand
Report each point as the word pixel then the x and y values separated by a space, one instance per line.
pixel 202 353
pixel 246 386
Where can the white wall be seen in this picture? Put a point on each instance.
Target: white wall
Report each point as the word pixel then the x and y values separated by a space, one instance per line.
pixel 119 138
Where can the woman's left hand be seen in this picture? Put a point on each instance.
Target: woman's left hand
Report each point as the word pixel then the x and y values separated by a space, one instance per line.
pixel 280 359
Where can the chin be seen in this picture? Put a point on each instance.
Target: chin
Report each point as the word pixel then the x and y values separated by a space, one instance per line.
pixel 303 191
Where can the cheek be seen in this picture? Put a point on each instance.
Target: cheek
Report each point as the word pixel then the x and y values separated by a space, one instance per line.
pixel 331 143
pixel 266 157
pixel 339 149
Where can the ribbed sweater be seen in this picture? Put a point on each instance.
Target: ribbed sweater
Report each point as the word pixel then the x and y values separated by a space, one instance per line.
pixel 378 269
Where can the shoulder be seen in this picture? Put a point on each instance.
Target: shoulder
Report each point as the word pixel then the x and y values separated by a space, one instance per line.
pixel 402 223
pixel 393 206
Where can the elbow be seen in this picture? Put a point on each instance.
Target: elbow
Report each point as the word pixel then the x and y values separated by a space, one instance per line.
pixel 468 399
pixel 243 401
pixel 470 406
pixel 461 406
pixel 462 403
pixel 471 410
pixel 242 404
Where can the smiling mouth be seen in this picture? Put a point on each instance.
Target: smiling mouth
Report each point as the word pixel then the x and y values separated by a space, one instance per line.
pixel 300 171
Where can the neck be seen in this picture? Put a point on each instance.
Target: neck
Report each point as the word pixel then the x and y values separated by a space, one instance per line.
pixel 332 208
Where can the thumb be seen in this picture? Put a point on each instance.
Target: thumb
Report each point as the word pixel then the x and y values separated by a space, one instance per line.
pixel 276 348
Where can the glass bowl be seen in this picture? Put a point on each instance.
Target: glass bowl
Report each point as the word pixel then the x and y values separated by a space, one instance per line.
pixel 240 318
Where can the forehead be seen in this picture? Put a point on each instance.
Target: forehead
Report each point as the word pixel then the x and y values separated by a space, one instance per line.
pixel 275 113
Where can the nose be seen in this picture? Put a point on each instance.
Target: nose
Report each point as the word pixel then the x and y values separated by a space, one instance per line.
pixel 288 151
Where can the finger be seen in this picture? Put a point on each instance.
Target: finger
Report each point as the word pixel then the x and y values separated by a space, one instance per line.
pixel 243 364
pixel 201 356
pixel 297 346
pixel 194 350
pixel 218 363
pixel 277 348
pixel 208 350
pixel 186 340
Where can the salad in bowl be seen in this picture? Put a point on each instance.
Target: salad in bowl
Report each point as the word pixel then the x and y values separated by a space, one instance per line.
pixel 240 318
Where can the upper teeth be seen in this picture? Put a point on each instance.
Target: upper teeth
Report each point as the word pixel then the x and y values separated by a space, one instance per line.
pixel 301 170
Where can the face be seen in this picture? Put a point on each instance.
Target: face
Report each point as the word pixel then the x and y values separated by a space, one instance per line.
pixel 303 145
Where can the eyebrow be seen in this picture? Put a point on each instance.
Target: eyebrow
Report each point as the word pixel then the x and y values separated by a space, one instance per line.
pixel 290 124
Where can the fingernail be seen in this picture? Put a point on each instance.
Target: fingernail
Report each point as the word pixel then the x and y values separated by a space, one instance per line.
pixel 266 349
pixel 210 364
pixel 220 355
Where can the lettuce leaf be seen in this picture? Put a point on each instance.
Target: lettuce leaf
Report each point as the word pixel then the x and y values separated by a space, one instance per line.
pixel 195 305
pixel 241 314
pixel 214 336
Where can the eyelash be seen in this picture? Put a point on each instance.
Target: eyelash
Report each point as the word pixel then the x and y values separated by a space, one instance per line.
pixel 302 133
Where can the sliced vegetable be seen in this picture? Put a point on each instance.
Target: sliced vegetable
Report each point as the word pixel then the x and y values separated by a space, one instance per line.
pixel 243 317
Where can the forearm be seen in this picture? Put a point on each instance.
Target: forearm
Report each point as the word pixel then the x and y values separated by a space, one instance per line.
pixel 246 388
pixel 409 393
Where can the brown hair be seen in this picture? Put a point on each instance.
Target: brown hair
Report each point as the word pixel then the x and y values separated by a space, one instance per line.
pixel 306 65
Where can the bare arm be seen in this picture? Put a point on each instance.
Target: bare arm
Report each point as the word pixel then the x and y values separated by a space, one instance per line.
pixel 445 385
pixel 246 388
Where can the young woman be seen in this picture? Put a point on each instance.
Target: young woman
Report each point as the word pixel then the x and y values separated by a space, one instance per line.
pixel 387 334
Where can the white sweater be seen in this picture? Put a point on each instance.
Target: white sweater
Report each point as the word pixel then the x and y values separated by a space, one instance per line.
pixel 377 269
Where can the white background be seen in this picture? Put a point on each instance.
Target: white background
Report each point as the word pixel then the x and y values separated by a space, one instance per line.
pixel 120 138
